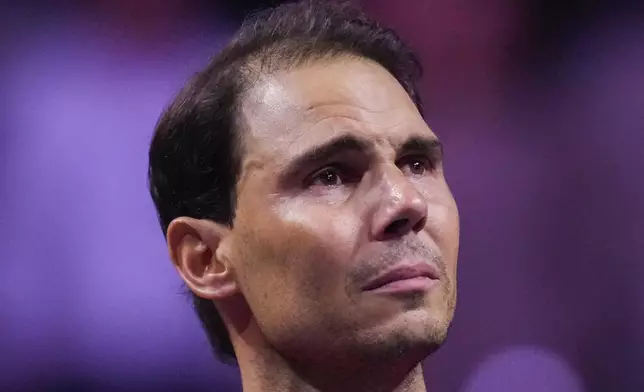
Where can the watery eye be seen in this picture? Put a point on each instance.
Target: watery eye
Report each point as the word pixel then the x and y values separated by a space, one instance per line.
pixel 327 177
pixel 416 165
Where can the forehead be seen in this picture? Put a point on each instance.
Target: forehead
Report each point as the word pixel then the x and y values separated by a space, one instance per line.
pixel 291 111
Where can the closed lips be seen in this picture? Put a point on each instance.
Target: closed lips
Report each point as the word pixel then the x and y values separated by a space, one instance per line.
pixel 403 273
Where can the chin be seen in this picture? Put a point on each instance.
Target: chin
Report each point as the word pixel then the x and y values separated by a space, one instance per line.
pixel 414 335
pixel 427 327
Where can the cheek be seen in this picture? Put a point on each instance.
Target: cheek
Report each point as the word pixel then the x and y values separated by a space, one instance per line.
pixel 294 254
pixel 321 244
pixel 320 227
pixel 294 274
pixel 442 220
pixel 448 238
pixel 443 224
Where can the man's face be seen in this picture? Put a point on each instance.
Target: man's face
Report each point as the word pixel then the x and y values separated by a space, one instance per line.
pixel 341 183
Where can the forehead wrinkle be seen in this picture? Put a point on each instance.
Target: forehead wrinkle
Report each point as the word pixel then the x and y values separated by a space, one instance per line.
pixel 387 119
pixel 277 118
pixel 384 141
pixel 341 108
pixel 382 136
pixel 277 154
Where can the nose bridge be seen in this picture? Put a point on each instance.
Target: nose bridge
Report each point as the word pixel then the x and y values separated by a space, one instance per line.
pixel 398 206
pixel 393 184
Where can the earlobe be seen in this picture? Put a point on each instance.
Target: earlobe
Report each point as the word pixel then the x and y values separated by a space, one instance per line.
pixel 197 248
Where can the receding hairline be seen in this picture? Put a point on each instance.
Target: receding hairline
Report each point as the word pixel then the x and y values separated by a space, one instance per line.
pixel 261 80
pixel 255 101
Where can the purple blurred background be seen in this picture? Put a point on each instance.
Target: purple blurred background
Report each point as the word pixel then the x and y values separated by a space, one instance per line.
pixel 541 107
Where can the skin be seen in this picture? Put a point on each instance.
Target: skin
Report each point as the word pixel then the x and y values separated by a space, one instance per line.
pixel 289 277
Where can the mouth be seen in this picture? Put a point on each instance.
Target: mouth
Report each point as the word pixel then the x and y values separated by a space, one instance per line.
pixel 405 278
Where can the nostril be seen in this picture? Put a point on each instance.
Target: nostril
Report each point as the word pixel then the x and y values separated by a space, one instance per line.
pixel 396 226
pixel 420 225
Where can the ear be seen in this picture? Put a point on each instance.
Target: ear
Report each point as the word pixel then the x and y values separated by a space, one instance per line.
pixel 199 251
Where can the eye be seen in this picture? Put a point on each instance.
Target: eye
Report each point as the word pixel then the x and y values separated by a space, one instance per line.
pixel 329 176
pixel 416 165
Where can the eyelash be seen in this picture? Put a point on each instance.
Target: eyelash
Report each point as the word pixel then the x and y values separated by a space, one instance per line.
pixel 428 163
pixel 340 170
pixel 345 175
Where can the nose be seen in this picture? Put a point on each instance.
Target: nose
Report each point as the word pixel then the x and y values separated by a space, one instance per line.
pixel 400 207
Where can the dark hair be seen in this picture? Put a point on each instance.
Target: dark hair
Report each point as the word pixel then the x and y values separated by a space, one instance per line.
pixel 196 151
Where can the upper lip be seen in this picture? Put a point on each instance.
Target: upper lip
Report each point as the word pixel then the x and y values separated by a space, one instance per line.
pixel 402 272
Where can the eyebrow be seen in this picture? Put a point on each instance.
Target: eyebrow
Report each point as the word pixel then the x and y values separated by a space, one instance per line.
pixel 328 150
pixel 432 147
pixel 336 146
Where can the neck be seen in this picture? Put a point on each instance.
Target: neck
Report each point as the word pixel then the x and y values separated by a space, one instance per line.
pixel 263 369
pixel 264 373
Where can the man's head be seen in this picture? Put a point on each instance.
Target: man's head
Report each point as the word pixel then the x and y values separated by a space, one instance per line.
pixel 294 173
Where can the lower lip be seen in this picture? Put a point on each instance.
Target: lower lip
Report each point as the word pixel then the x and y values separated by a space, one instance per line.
pixel 418 284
